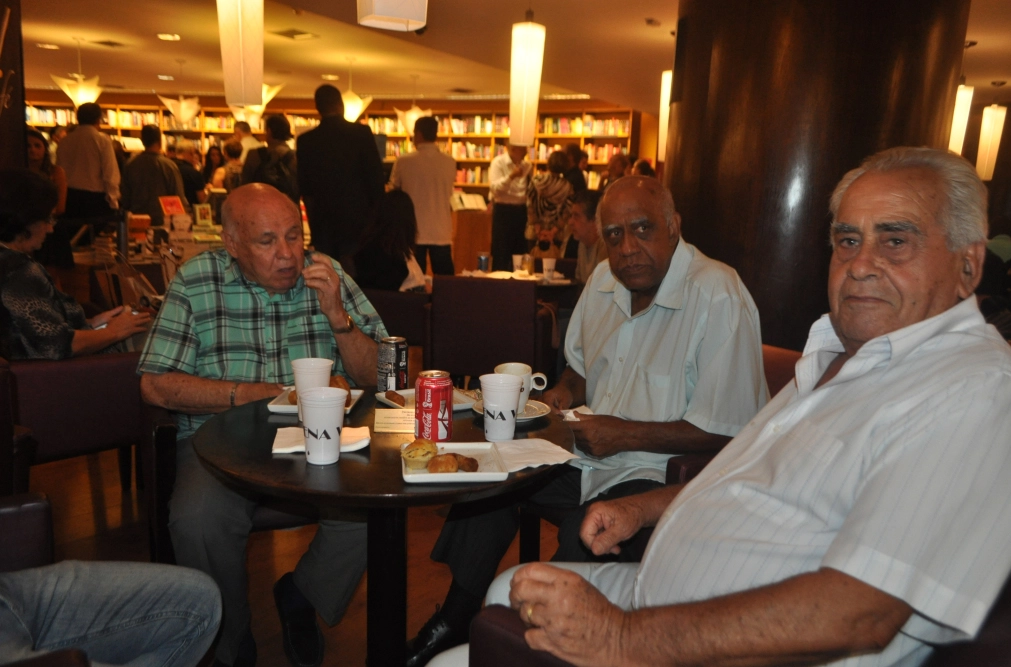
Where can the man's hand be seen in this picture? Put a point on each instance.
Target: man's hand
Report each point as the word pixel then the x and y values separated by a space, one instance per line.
pixel 321 276
pixel 600 435
pixel 558 398
pixel 570 618
pixel 517 171
pixel 608 523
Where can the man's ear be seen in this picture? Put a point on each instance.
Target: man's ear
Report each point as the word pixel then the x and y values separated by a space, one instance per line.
pixel 675 227
pixel 971 271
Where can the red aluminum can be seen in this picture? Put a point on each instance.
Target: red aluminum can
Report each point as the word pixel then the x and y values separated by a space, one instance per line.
pixel 433 406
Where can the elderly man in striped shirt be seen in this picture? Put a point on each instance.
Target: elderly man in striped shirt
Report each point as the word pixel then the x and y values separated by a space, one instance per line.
pixel 860 518
pixel 232 321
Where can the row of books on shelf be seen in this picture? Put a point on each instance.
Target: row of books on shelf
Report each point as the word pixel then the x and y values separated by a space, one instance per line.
pixel 36 116
pixel 447 126
pixel 584 125
pixel 472 175
pixel 466 150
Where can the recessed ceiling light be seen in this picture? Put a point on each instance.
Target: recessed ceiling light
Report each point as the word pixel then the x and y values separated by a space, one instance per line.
pixel 169 37
pixel 166 77
pixel 652 22
pixel 48 47
pixel 330 77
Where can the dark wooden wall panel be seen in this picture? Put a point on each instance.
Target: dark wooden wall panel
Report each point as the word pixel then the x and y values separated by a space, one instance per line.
pixel 12 113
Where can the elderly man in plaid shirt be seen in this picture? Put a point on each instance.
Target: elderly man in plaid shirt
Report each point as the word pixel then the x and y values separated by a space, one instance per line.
pixel 231 323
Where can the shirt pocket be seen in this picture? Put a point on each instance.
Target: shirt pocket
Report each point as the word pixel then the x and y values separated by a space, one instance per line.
pixel 310 336
pixel 647 399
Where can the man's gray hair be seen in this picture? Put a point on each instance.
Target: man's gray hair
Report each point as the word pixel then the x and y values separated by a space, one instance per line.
pixel 963 211
pixel 184 146
pixel 664 198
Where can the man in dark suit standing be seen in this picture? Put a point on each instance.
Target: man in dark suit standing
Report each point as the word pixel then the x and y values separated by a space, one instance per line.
pixel 340 177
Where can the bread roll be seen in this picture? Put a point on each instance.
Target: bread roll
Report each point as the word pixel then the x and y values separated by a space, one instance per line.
pixel 293 397
pixel 466 463
pixel 417 454
pixel 338 382
pixel 443 463
pixel 394 397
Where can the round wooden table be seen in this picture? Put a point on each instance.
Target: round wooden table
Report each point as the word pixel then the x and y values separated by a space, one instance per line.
pixel 236 445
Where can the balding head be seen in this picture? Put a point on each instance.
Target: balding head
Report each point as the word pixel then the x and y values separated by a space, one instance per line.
pixel 641 230
pixel 262 230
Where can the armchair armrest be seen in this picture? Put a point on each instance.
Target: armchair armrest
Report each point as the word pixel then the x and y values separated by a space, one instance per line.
pixel 496 640
pixel 158 455
pixel 27 526
pixel 683 469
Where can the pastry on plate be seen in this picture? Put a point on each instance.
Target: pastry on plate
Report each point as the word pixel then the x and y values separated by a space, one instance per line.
pixel 466 463
pixel 338 382
pixel 443 463
pixel 394 397
pixel 417 454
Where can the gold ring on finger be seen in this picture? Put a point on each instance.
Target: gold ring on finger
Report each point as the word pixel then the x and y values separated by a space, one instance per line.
pixel 530 614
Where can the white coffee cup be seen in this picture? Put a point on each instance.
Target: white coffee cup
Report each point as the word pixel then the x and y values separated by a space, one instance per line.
pixel 548 264
pixel 530 381
pixel 310 372
pixel 500 394
pixel 323 410
pixel 517 263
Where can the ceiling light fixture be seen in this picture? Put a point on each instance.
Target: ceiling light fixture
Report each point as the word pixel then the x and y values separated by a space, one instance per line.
pixel 240 32
pixel 184 109
pixel 353 104
pixel 78 89
pixel 48 47
pixel 331 77
pixel 400 15
pixel 989 140
pixel 410 117
pixel 525 80
pixel 166 77
pixel 661 138
pixel 963 101
pixel 251 113
pixel 168 37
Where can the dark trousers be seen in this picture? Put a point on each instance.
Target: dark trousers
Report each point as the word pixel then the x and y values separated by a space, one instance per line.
pixel 508 224
pixel 442 259
pixel 477 535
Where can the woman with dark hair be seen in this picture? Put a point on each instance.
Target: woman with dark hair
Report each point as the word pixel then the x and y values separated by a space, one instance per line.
pixel 548 196
pixel 212 160
pixel 41 162
pixel 229 175
pixel 388 244
pixel 37 321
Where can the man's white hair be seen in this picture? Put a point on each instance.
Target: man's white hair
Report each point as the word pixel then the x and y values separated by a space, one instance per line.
pixel 963 211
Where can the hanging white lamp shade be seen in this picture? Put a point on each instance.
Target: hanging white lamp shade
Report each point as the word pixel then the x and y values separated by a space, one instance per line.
pixel 661 138
pixel 410 117
pixel 79 89
pixel 960 119
pixel 525 80
pixel 401 15
pixel 989 140
pixel 240 31
pixel 251 113
pixel 185 109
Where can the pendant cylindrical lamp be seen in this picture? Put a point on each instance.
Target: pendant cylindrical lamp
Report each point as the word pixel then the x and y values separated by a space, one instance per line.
pixel 661 138
pixel 989 140
pixel 240 31
pixel 401 15
pixel 525 80
pixel 960 119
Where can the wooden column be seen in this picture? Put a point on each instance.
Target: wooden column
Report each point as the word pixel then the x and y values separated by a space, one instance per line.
pixel 773 102
pixel 12 91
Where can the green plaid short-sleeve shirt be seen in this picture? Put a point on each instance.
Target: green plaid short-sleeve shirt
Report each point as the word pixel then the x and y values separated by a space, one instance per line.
pixel 216 324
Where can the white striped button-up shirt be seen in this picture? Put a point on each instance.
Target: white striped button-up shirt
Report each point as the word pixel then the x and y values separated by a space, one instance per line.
pixel 895 472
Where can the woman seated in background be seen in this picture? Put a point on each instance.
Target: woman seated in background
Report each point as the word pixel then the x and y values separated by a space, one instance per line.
pixel 229 176
pixel 212 160
pixel 37 321
pixel 41 163
pixel 548 195
pixel 386 259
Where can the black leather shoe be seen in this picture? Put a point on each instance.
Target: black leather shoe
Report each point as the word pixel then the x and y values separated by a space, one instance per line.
pixel 303 641
pixel 436 636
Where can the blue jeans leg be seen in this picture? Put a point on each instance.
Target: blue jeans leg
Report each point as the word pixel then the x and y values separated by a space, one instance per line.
pixel 137 614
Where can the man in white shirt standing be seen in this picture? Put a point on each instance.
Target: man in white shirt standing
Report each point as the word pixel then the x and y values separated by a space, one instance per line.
pixel 427 176
pixel 664 347
pixel 861 517
pixel 86 154
pixel 244 135
pixel 509 175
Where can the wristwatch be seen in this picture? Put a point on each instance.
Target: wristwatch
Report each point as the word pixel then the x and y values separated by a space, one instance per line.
pixel 349 326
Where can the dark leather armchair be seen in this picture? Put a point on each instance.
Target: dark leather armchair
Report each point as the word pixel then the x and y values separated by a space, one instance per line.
pixel 76 406
pixel 477 323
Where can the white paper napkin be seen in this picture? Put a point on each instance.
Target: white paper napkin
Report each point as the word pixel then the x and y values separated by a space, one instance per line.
pixel 519 454
pixel 570 415
pixel 291 440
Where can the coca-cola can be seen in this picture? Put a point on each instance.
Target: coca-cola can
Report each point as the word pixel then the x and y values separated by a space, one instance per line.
pixel 392 372
pixel 433 406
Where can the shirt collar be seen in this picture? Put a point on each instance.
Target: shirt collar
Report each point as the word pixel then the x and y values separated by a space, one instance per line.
pixel 671 293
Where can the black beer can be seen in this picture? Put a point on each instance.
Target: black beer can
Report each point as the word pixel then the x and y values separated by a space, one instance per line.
pixel 392 364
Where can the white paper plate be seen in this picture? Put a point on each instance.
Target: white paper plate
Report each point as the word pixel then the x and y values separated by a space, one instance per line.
pixel 490 465
pixel 533 410
pixel 281 406
pixel 461 401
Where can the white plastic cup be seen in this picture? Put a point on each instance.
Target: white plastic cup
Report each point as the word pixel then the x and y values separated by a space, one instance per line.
pixel 517 263
pixel 323 408
pixel 500 394
pixel 530 379
pixel 548 264
pixel 310 372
